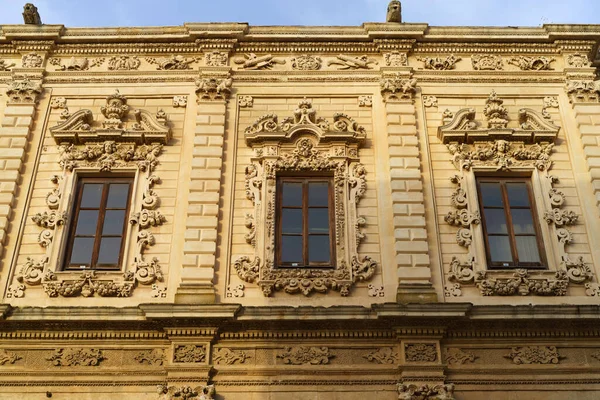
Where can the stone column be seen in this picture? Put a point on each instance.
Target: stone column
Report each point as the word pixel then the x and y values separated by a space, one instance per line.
pixel 202 218
pixel 412 259
pixel 15 128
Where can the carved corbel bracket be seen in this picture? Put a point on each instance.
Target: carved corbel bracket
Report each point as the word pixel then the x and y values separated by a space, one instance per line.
pixel 583 91
pixel 23 91
pixel 398 88
pixel 211 88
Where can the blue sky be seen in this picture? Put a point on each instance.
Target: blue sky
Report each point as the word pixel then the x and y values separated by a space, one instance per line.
pixel 75 13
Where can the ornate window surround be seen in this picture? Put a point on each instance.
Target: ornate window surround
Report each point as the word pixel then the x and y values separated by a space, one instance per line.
pixel 305 144
pixel 522 151
pixel 86 148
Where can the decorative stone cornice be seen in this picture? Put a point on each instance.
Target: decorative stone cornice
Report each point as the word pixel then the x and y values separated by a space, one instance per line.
pixel 24 91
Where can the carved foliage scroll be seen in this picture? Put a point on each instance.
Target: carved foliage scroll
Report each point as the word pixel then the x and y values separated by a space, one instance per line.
pixel 305 143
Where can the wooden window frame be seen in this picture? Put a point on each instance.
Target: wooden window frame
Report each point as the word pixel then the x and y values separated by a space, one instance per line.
pixel 543 264
pixel 305 179
pixel 75 212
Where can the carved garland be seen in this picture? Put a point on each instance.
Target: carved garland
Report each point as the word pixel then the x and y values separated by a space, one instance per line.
pixel 138 145
pixel 500 148
pixel 329 147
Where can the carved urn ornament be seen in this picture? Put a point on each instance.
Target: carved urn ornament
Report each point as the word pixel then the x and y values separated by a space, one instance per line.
pixel 31 15
pixel 394 12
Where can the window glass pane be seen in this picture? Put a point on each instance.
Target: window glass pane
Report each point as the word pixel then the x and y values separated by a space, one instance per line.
pixel 110 248
pixel 318 249
pixel 500 249
pixel 291 250
pixel 318 194
pixel 292 194
pixel 291 220
pixel 118 194
pixel 113 222
pixel 318 220
pixel 86 223
pixel 495 221
pixel 518 195
pixel 491 195
pixel 82 251
pixel 527 249
pixel 522 221
pixel 92 194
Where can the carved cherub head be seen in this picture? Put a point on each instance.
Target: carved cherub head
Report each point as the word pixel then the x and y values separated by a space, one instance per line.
pixel 394 12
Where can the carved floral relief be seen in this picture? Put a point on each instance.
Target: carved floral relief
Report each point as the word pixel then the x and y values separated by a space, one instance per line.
pixel 306 63
pixel 76 357
pixel 384 355
pixel 8 357
pixel 229 356
pixel 32 60
pixel 189 353
pixel 186 392
pixel 305 355
pixel 420 352
pixel 534 355
pixel 486 62
pixel 425 392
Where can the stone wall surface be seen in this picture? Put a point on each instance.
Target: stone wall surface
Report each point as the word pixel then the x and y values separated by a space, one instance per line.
pixel 204 117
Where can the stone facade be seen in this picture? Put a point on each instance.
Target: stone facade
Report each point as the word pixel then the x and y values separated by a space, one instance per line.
pixel 404 116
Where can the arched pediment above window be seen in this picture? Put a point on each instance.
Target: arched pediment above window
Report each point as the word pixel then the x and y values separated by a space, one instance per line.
pixel 304 120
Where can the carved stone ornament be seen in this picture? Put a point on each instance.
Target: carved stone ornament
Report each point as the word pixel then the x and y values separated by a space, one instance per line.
pixel 80 128
pixel 376 291
pixel 150 357
pixel 522 284
pixel 305 355
pixel 395 59
pixel 190 353
pixel 489 62
pixel 394 12
pixel 8 357
pixel 234 290
pixel 176 62
pixel 398 87
pixel 459 356
pixel 180 101
pixel 583 91
pixel 365 101
pixel 578 61
pixel 214 88
pixel 5 65
pixel 216 59
pixel 385 355
pixel 430 101
pixel 438 63
pixel 229 357
pixel 306 62
pixel 425 392
pixel 305 143
pixel 123 63
pixel 31 16
pixel 245 101
pixel 186 392
pixel 253 62
pixel 76 64
pixel 420 352
pixel 87 285
pixel 32 60
pixel 23 91
pixel 536 63
pixel 76 357
pixel 534 355
pixel 348 62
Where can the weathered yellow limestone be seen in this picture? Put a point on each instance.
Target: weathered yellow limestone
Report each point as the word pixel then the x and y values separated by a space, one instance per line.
pixel 204 116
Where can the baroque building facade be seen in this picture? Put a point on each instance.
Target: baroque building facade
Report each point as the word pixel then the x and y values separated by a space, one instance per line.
pixel 224 211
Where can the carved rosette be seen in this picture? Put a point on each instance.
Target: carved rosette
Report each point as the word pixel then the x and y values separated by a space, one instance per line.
pixel 305 143
pixel 305 355
pixel 136 145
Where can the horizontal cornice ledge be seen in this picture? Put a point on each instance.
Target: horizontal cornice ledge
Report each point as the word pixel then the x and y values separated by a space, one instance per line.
pixel 306 313
pixel 528 312
pixel 189 311
pixel 74 314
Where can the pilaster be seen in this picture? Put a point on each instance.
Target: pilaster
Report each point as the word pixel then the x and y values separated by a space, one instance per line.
pixel 200 246
pixel 410 233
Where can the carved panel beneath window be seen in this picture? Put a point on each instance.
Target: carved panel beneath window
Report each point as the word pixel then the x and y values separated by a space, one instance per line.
pixel 305 144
